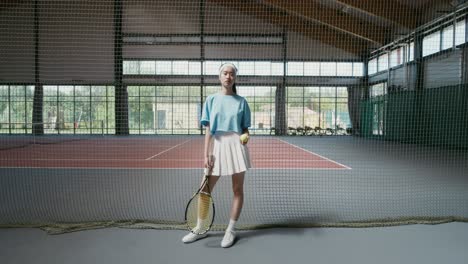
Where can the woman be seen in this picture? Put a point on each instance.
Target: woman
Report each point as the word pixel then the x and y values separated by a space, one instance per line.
pixel 226 116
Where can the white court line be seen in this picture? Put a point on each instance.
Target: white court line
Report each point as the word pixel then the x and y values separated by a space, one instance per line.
pixel 74 159
pixel 70 159
pixel 133 168
pixel 315 154
pixel 168 149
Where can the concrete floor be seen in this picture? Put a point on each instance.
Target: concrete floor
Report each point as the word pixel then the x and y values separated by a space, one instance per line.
pixel 428 244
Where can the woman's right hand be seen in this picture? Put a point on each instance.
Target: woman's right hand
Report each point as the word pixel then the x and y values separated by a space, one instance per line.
pixel 209 162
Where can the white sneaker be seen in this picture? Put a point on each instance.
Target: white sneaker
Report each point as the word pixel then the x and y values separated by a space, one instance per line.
pixel 191 237
pixel 228 239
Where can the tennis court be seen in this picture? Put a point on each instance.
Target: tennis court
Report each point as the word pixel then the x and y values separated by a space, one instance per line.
pixel 357 115
pixel 151 152
pixel 141 185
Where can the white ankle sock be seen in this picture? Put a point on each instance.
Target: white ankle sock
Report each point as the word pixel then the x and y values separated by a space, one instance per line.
pixel 231 225
pixel 199 224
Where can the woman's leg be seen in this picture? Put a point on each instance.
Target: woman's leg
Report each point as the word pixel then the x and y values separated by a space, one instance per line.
pixel 238 190
pixel 203 208
pixel 212 180
pixel 203 199
pixel 237 202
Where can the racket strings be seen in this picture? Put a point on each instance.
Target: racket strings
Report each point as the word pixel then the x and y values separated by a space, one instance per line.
pixel 200 213
pixel 204 202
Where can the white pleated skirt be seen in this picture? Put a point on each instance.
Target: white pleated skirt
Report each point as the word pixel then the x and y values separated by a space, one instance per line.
pixel 228 154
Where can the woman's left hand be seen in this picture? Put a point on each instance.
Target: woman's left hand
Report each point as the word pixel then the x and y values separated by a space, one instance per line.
pixel 244 138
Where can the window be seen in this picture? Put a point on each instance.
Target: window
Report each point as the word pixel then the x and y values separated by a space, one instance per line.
pixel 358 69
pixel 378 89
pixel 16 104
pixel 295 106
pixel 261 100
pixel 328 69
pixel 431 43
pixel 342 118
pixel 180 67
pixel 378 104
pixel 372 68
pixel 164 109
pixel 311 69
pixel 447 37
pixel 79 109
pixel 460 32
pixel 163 67
pixel 211 67
pixel 194 68
pixel 383 62
pixel 325 107
pixel 262 68
pixel 131 67
pixel 411 52
pixel 245 68
pixel 295 68
pixel 177 109
pixel 147 67
pixel 396 57
pixel 277 69
pixel 344 69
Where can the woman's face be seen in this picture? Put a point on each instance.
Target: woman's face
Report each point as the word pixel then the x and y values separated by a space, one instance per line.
pixel 227 76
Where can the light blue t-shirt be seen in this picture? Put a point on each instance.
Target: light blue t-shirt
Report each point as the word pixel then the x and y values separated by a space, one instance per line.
pixel 226 113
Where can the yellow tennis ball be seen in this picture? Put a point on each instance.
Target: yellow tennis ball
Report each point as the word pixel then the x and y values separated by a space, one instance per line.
pixel 244 138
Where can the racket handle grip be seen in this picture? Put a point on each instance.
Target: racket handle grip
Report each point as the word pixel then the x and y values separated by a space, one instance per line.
pixel 207 171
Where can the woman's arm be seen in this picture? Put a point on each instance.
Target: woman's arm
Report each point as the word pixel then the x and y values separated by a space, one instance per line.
pixel 244 138
pixel 207 154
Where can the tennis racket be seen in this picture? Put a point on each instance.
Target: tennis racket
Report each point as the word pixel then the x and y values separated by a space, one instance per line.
pixel 200 210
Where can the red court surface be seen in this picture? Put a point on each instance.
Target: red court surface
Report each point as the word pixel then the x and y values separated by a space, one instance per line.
pixel 266 153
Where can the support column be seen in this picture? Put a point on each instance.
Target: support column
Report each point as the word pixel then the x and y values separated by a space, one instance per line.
pixel 280 110
pixel 280 96
pixel 202 57
pixel 464 67
pixel 417 121
pixel 357 94
pixel 121 95
pixel 419 63
pixel 38 102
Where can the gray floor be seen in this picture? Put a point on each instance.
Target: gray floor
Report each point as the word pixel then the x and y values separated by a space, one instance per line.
pixel 428 244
